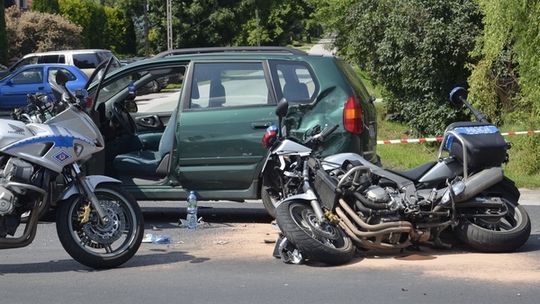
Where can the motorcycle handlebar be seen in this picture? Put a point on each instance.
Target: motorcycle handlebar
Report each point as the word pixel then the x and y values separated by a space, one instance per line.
pixel 327 132
pixel 319 138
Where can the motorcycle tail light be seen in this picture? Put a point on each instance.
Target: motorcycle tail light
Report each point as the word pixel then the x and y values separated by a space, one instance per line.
pixel 269 137
pixel 352 116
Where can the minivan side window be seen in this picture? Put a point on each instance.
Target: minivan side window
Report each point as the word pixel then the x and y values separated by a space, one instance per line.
pixel 51 59
pixel 86 61
pixel 296 81
pixel 218 85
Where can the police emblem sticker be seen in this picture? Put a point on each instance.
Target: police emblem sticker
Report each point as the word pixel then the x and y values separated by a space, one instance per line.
pixel 62 156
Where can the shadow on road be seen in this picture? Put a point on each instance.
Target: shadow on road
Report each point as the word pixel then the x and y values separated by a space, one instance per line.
pixel 68 265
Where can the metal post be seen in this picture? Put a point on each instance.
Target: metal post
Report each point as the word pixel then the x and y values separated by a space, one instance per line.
pixel 258 26
pixel 146 29
pixel 169 25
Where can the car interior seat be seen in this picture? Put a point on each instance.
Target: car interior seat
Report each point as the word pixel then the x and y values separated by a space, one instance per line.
pixel 216 94
pixel 295 90
pixel 148 163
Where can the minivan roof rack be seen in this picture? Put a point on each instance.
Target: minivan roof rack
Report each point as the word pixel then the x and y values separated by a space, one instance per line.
pixel 234 49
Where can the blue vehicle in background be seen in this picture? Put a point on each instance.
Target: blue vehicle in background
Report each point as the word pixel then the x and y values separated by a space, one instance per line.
pixel 33 79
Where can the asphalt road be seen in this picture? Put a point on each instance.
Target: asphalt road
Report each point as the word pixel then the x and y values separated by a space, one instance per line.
pixel 229 260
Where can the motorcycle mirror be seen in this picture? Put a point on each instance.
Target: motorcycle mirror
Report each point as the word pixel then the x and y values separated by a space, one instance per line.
pixel 457 95
pixel 61 78
pixel 282 108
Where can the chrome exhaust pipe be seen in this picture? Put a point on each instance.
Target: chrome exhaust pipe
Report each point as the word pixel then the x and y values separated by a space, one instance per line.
pixel 479 182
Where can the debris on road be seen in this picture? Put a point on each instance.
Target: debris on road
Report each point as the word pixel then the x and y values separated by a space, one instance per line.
pixel 156 239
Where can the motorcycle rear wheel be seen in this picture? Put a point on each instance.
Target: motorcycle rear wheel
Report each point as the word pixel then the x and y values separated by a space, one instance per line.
pixel 505 234
pixel 94 244
pixel 321 242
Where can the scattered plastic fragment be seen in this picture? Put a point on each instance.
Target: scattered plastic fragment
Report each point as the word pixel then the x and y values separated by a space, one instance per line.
pixel 222 242
pixel 156 239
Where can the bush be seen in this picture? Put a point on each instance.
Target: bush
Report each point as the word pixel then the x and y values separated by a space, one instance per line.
pixel 30 32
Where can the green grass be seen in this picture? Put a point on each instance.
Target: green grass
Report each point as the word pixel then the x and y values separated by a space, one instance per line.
pixel 401 156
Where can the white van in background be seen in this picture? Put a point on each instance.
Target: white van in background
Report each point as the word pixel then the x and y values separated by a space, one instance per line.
pixel 86 60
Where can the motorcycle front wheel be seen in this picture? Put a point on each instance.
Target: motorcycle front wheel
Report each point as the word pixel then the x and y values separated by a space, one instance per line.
pixel 93 243
pixel 322 242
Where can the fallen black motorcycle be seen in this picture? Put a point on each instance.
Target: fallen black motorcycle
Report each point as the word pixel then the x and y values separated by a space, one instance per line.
pixel 332 205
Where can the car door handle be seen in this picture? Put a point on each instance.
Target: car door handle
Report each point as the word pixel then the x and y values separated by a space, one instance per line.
pixel 261 125
pixel 41 88
pixel 148 120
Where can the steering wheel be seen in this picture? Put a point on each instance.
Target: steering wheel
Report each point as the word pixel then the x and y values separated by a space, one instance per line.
pixel 121 115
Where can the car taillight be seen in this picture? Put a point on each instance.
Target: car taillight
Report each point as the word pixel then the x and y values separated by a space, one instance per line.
pixel 352 116
pixel 269 137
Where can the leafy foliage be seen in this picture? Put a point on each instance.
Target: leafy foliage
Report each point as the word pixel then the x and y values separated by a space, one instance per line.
pixel 504 83
pixel 119 35
pixel 39 32
pixel 507 76
pixel 202 23
pixel 416 49
pixel 46 6
pixel 90 16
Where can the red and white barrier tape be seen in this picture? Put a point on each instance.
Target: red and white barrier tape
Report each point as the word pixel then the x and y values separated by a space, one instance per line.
pixel 440 138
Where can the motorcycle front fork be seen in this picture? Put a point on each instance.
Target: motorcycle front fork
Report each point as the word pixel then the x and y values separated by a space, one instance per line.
pixel 89 193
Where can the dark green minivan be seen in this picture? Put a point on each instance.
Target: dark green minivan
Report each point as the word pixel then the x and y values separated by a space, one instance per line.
pixel 203 130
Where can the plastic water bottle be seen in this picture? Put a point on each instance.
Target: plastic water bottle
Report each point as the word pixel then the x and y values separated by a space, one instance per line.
pixel 191 217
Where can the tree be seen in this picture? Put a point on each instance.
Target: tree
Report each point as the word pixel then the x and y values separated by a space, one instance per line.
pixel 504 83
pixel 506 78
pixel 90 16
pixel 46 6
pixel 416 49
pixel 279 22
pixel 30 32
pixel 119 33
pixel 3 38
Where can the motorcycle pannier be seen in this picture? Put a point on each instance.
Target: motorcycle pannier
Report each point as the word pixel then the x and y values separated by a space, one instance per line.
pixel 484 143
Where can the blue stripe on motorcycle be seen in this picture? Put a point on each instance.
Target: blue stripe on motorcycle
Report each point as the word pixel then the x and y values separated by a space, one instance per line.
pixel 58 141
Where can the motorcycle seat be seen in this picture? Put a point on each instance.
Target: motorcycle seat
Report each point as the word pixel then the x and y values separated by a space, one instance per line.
pixel 416 173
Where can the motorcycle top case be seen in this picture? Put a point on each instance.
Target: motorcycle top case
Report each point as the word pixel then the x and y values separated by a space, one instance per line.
pixel 485 145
